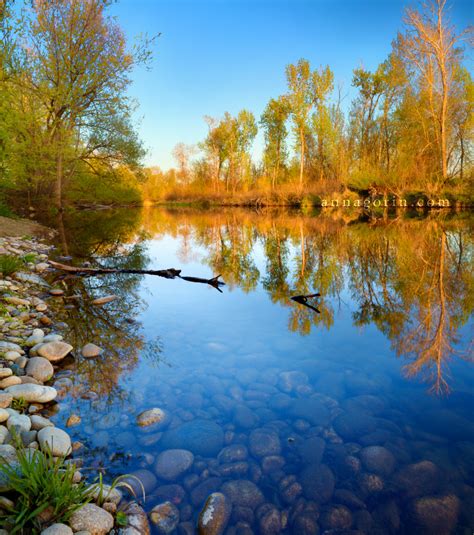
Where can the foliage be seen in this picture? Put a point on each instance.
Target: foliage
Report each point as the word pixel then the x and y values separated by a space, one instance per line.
pixel 20 404
pixel 42 482
pixel 9 264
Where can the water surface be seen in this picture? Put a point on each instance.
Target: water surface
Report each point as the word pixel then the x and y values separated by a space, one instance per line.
pixel 300 396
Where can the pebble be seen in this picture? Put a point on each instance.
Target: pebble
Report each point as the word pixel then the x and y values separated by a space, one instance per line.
pixel 104 300
pixel 165 517
pixel 57 529
pixel 19 422
pixel 263 442
pixel 377 459
pixel 151 417
pixel 4 415
pixel 90 351
pixel 243 492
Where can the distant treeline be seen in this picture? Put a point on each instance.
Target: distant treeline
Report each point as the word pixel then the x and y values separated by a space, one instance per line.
pixel 66 128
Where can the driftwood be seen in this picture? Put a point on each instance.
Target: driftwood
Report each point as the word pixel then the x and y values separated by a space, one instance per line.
pixel 170 273
pixel 303 300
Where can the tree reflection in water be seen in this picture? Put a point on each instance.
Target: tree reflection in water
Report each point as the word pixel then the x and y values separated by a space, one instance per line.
pixel 412 278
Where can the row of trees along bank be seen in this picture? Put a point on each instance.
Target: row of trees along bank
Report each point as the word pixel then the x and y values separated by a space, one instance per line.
pixel 66 120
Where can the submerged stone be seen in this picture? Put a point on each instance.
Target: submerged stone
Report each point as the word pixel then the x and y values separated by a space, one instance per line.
pixel 215 515
pixel 201 437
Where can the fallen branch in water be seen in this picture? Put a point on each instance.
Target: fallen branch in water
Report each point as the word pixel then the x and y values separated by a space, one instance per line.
pixel 169 273
pixel 303 300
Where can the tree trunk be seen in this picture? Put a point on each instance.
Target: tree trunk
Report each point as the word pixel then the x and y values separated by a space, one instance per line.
pixel 59 179
pixel 302 157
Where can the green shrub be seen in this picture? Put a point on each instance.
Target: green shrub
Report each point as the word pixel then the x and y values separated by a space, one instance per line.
pixel 9 264
pixel 41 482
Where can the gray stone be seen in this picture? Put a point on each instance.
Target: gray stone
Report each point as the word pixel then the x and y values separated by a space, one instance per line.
pixel 56 440
pixel 318 482
pixel 171 464
pixel 32 393
pixel 201 437
pixel 243 492
pixel 93 519
pixel 378 459
pixel 19 422
pixel 54 351
pixel 57 529
pixel 40 368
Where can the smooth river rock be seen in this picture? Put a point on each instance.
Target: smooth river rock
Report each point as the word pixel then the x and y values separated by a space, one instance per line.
pixel 90 351
pixel 57 529
pixel 171 464
pixel 93 519
pixel 32 393
pixel 244 493
pixel 318 482
pixel 56 440
pixel 151 417
pixel 165 517
pixel 215 515
pixel 40 369
pixel 54 351
pixel 378 459
pixel 201 437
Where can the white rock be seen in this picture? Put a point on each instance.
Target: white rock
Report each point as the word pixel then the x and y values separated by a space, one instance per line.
pixel 56 440
pixel 33 393
pixel 3 433
pixel 36 338
pixel 52 338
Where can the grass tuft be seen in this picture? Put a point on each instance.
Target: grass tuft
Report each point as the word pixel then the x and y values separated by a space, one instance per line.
pixel 9 264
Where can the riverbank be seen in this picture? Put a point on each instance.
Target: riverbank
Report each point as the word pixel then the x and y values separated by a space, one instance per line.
pixel 33 380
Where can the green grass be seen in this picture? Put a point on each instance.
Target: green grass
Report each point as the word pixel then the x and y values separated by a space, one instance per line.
pixel 29 257
pixel 9 264
pixel 41 482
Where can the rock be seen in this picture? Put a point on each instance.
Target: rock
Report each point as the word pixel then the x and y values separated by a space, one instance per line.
pixel 109 494
pixel 312 410
pixel 378 459
pixel 434 515
pixel 73 420
pixel 152 416
pixel 417 479
pixel 172 464
pixel 31 278
pixel 54 351
pixel 244 417
pixel 38 422
pixel 201 437
pixel 311 450
pixel 32 393
pixel 56 292
pixel 11 355
pixel 233 453
pixel 10 381
pixel 269 519
pixel 90 351
pixel 243 493
pixel 35 338
pixel 165 517
pixel 5 372
pixel 146 481
pixel 336 517
pixel 137 520
pixel 370 483
pixel 263 442
pixel 215 515
pixel 40 369
pixel 93 519
pixel 347 497
pixel 104 300
pixel 57 529
pixel 56 440
pixel 17 301
pixel 3 434
pixel 8 453
pixel 5 400
pixel 318 482
pixel 200 492
pixel 353 424
pixel 4 415
pixel 289 381
pixel 19 422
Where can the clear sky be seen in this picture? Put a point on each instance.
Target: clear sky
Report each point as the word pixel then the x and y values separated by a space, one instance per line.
pixel 224 55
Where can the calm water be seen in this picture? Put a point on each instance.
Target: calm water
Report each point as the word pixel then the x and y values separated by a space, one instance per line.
pixel 298 398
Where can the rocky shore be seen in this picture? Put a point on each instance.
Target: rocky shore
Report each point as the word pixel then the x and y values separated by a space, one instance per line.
pixel 31 352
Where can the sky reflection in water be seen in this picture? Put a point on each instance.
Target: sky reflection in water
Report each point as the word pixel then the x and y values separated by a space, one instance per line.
pixel 395 324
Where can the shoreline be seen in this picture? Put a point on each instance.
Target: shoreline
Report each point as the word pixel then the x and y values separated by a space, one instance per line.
pixel 31 352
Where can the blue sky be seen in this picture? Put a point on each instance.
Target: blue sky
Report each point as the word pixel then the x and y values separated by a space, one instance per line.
pixel 224 55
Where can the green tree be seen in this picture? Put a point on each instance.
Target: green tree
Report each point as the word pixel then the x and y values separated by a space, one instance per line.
pixel 273 122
